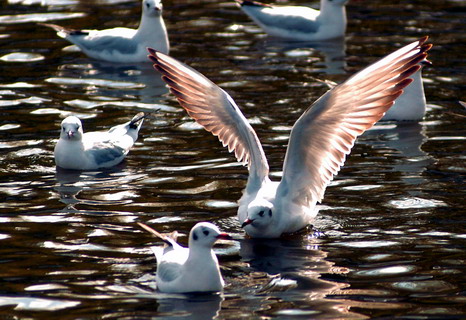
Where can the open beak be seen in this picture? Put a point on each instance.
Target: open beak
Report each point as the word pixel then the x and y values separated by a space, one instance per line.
pixel 224 236
pixel 247 222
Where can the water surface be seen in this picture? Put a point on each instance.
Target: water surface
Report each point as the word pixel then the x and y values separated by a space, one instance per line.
pixel 392 226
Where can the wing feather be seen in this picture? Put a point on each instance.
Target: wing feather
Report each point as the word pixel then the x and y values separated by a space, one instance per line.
pixel 215 110
pixel 324 135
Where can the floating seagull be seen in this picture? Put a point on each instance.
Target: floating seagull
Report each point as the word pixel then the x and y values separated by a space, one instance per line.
pixel 93 150
pixel 298 22
pixel 123 45
pixel 193 269
pixel 319 141
pixel 411 105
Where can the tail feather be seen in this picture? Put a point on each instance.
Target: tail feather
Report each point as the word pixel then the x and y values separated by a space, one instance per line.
pixel 252 3
pixel 62 31
pixel 170 239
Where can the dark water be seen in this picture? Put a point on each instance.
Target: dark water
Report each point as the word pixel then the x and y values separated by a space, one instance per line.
pixel 393 221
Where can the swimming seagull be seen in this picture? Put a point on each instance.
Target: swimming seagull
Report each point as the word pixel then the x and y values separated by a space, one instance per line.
pixel 319 142
pixel 93 150
pixel 411 105
pixel 193 269
pixel 123 45
pixel 298 22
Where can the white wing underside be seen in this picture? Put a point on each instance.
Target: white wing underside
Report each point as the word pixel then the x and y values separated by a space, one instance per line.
pixel 324 135
pixel 215 110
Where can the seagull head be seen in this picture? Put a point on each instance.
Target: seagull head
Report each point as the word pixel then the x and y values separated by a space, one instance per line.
pixel 204 234
pixel 71 129
pixel 260 214
pixel 152 7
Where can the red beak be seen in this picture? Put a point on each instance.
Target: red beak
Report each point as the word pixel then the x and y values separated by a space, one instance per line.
pixel 224 236
pixel 247 222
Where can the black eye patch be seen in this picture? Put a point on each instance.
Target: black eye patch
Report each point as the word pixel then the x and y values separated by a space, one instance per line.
pixel 270 213
pixel 206 232
pixel 261 213
pixel 194 235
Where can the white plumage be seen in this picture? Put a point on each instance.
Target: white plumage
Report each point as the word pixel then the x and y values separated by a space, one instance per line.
pixel 93 150
pixel 193 269
pixel 299 22
pixel 319 142
pixel 122 45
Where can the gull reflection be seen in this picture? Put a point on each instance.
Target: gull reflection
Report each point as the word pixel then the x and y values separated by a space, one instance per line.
pixel 275 256
pixel 193 306
pixel 109 185
pixel 300 273
pixel 406 138
pixel 332 51
pixel 104 83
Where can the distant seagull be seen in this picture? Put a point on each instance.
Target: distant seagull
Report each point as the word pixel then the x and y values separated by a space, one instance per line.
pixel 193 269
pixel 319 142
pixel 298 22
pixel 94 150
pixel 123 45
pixel 411 105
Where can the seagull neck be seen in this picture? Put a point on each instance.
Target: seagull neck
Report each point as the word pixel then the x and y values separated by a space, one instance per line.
pixel 332 12
pixel 255 182
pixel 199 253
pixel 75 142
pixel 149 25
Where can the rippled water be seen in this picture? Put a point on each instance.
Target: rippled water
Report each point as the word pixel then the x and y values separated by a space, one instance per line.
pixel 392 224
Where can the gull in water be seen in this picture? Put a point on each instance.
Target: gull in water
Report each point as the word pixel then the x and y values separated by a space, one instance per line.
pixel 94 150
pixel 122 45
pixel 411 105
pixel 298 22
pixel 193 269
pixel 319 142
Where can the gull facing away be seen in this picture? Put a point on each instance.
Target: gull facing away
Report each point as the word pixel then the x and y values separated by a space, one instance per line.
pixel 122 45
pixel 319 142
pixel 411 105
pixel 298 22
pixel 193 269
pixel 94 150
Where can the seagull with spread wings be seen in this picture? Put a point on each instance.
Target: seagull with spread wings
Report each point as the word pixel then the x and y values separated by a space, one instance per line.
pixel 319 142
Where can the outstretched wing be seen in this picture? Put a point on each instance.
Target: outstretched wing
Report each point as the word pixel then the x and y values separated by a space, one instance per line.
pixel 325 133
pixel 215 110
